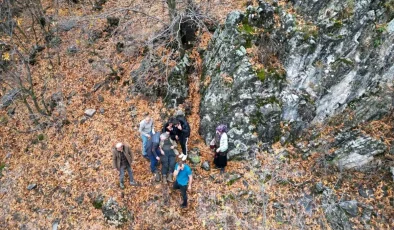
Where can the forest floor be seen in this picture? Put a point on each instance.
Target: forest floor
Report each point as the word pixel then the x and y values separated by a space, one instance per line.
pixel 72 166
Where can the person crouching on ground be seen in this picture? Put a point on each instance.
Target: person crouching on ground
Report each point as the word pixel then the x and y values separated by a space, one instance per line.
pixel 183 181
pixel 221 144
pixel 122 158
pixel 171 129
pixel 168 152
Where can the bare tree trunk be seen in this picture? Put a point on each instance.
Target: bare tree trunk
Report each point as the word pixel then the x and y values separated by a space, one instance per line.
pixel 32 116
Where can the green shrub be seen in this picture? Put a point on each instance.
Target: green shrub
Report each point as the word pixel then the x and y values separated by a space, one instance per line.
pixel 40 137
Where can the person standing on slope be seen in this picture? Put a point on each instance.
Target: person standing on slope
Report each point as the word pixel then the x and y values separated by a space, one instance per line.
pixel 146 130
pixel 183 181
pixel 122 158
pixel 220 145
pixel 183 133
pixel 168 152
pixel 153 152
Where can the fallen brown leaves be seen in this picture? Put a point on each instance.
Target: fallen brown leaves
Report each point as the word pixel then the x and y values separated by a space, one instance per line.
pixel 75 161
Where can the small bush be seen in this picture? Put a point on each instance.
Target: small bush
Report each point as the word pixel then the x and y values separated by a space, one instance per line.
pixel 40 137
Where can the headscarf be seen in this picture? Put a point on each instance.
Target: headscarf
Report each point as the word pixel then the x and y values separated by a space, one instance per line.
pixel 222 128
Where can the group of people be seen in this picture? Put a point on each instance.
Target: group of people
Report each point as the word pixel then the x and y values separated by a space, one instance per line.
pixel 162 147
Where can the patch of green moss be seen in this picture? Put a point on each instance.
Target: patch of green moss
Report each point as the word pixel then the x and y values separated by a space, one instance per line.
pixel 261 74
pixel 270 73
pixel 246 28
pixel 41 137
pixel 389 6
pixel 278 10
pixel 248 43
pixel 309 31
pixel 98 203
pixel 2 166
pixel 381 29
pixel 377 42
pixel 3 120
pixel 346 61
pixel 338 24
pixel 268 100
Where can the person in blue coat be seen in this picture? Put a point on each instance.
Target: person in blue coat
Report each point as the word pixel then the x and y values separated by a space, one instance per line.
pixel 153 152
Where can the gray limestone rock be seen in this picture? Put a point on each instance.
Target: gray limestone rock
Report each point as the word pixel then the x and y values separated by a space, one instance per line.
pixel 31 186
pixel 350 207
pixel 9 97
pixel 335 215
pixel 90 112
pixel 66 25
pixel 114 214
pixel 206 166
pixel 355 149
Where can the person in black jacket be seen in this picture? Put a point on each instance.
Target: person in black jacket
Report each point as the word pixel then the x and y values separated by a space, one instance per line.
pixel 170 128
pixel 183 133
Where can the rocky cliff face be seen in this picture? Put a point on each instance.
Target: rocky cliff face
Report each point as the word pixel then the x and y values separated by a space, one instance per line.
pixel 234 94
pixel 335 59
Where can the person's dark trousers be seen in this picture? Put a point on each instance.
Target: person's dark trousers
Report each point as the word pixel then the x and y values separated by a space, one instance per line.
pixel 164 164
pixel 183 142
pixel 183 189
pixel 167 162
pixel 171 162
pixel 128 168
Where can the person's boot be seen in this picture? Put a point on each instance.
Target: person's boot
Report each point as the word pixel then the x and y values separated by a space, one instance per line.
pixel 133 182
pixel 222 170
pixel 121 185
pixel 170 178
pixel 157 177
pixel 164 179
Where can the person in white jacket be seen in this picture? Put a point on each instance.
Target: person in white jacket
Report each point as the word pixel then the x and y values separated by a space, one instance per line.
pixel 220 146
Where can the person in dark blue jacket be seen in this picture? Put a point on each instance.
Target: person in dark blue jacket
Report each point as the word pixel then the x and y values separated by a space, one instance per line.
pixel 153 151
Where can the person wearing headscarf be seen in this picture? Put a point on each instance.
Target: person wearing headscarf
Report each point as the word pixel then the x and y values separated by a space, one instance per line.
pixel 220 146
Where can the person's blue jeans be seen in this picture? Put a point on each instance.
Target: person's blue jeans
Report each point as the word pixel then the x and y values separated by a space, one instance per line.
pixel 144 142
pixel 122 169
